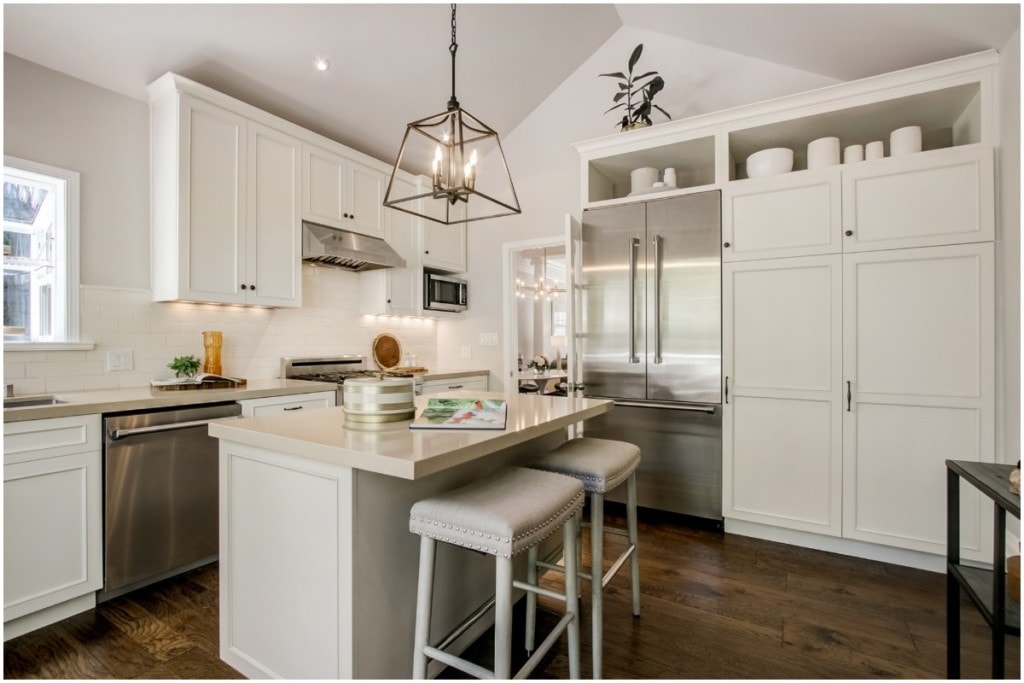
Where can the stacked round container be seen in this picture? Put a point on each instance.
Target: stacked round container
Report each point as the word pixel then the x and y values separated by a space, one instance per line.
pixel 370 400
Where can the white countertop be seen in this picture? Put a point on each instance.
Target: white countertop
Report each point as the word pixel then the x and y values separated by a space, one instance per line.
pixel 394 449
pixel 133 398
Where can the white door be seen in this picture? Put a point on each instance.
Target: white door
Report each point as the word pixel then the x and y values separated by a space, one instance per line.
pixel 365 210
pixel 925 199
pixel 919 359
pixel 797 214
pixel 273 244
pixel 782 415
pixel 211 234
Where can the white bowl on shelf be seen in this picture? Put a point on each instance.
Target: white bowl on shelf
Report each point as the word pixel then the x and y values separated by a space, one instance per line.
pixel 768 162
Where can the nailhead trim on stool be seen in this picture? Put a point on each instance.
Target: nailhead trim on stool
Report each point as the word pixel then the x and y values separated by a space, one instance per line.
pixel 600 464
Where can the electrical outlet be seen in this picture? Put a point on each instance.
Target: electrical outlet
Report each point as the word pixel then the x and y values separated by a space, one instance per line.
pixel 488 339
pixel 467 352
pixel 120 360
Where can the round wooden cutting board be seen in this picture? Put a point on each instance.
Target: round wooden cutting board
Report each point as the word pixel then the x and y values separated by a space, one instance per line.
pixel 387 351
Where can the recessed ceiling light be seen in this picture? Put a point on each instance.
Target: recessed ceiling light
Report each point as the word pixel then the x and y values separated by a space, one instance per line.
pixel 322 64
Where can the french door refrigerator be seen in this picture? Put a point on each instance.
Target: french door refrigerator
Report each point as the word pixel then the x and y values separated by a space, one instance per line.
pixel 650 321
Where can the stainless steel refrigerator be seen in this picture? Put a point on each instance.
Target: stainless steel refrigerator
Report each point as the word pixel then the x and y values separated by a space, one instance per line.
pixel 650 338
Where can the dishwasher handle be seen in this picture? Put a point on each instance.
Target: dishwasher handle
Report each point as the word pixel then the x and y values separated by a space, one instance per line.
pixel 118 434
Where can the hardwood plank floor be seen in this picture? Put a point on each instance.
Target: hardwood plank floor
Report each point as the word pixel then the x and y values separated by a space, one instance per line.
pixel 713 606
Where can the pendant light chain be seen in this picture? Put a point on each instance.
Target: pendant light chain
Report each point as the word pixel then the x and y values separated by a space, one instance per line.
pixel 453 48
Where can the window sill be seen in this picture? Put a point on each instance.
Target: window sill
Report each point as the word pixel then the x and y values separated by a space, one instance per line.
pixel 48 346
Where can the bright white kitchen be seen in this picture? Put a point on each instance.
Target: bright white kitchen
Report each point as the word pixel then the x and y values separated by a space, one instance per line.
pixel 92 94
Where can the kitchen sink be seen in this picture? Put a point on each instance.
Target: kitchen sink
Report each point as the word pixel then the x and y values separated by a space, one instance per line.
pixel 29 401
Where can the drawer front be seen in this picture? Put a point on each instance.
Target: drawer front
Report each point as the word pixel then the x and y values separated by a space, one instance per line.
pixel 260 407
pixel 455 384
pixel 34 439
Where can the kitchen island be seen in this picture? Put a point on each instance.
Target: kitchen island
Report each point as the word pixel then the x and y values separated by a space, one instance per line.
pixel 318 567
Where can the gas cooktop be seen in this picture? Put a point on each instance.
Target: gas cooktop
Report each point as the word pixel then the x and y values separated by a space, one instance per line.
pixel 330 369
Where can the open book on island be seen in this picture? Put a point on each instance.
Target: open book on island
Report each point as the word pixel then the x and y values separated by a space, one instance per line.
pixel 462 413
pixel 198 379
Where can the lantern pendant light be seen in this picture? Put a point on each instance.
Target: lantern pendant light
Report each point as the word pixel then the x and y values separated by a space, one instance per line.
pixel 448 149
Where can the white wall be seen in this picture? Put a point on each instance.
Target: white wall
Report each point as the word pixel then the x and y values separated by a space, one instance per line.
pixel 545 167
pixel 58 120
pixel 1008 253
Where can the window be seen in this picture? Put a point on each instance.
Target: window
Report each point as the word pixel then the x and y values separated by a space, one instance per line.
pixel 40 253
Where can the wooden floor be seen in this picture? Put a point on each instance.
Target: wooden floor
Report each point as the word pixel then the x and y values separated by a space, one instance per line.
pixel 713 606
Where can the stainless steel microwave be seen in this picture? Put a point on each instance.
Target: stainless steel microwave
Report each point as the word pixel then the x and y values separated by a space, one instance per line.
pixel 443 293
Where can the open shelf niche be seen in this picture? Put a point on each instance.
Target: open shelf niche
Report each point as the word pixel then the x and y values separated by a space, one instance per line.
pixel 694 161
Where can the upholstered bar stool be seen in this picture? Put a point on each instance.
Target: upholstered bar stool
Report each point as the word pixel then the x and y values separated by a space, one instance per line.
pixel 601 465
pixel 502 515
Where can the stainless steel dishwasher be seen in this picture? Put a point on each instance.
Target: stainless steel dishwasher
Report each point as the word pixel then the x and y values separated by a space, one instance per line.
pixel 160 494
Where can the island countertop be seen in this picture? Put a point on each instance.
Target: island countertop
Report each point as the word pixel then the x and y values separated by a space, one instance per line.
pixel 396 450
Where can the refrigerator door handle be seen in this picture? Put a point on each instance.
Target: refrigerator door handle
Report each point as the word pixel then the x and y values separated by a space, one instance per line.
pixel 634 246
pixel 656 241
pixel 685 407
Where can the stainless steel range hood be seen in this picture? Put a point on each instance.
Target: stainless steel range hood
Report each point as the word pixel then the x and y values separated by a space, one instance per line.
pixel 349 250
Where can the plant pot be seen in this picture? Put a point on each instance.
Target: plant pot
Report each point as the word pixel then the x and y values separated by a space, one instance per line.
pixel 633 126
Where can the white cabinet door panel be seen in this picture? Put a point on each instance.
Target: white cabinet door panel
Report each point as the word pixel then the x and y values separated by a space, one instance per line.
pixel 366 200
pixel 919 356
pixel 780 465
pixel 274 238
pixel 782 419
pixel 214 147
pixel 52 527
pixel 323 180
pixel 932 198
pixel 797 215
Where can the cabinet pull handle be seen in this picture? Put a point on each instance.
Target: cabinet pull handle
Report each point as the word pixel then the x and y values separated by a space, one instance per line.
pixel 727 389
pixel 849 395
pixel 294 408
pixel 455 386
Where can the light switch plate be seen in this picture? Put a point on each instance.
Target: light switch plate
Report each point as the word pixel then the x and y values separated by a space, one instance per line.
pixel 120 360
pixel 467 352
pixel 488 339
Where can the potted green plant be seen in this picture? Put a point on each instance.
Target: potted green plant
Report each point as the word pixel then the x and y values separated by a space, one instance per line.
pixel 539 364
pixel 633 88
pixel 185 366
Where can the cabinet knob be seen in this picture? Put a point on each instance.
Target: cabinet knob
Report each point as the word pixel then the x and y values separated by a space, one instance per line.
pixel 345 215
pixel 244 286
pixel 426 251
pixel 252 288
pixel 849 233
pixel 726 245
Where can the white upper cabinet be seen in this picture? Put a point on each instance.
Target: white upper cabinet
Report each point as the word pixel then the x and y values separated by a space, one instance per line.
pixel 795 214
pixel 225 211
pixel 396 291
pixel 443 247
pixel 927 199
pixel 342 192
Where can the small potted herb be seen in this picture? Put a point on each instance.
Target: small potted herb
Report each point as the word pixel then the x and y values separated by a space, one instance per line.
pixel 633 88
pixel 185 366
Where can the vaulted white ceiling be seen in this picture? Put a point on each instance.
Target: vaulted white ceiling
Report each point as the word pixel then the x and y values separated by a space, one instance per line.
pixel 390 62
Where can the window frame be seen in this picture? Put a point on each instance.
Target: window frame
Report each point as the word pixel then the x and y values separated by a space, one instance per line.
pixel 70 256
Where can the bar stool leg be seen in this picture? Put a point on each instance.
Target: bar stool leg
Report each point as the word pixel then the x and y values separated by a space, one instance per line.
pixel 634 569
pixel 503 619
pixel 425 594
pixel 531 599
pixel 572 580
pixel 579 550
pixel 596 583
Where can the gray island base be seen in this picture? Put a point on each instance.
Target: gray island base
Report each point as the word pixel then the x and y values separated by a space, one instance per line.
pixel 317 566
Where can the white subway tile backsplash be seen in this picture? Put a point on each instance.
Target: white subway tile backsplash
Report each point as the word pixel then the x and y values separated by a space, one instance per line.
pixel 255 339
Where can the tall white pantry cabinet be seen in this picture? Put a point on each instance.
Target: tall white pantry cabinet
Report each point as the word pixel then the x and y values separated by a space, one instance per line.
pixel 858 305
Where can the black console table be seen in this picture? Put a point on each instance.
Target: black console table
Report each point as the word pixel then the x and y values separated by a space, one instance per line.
pixel 986 587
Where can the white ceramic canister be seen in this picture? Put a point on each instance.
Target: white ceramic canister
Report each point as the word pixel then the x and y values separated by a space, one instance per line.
pixel 823 152
pixel 670 177
pixel 906 140
pixel 853 154
pixel 389 399
pixel 643 179
pixel 874 150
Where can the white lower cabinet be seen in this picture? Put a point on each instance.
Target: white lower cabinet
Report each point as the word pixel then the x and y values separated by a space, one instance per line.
pixel 851 380
pixel 470 382
pixel 260 407
pixel 53 562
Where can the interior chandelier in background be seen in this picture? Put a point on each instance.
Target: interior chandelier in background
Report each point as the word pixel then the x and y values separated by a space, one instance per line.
pixel 448 148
